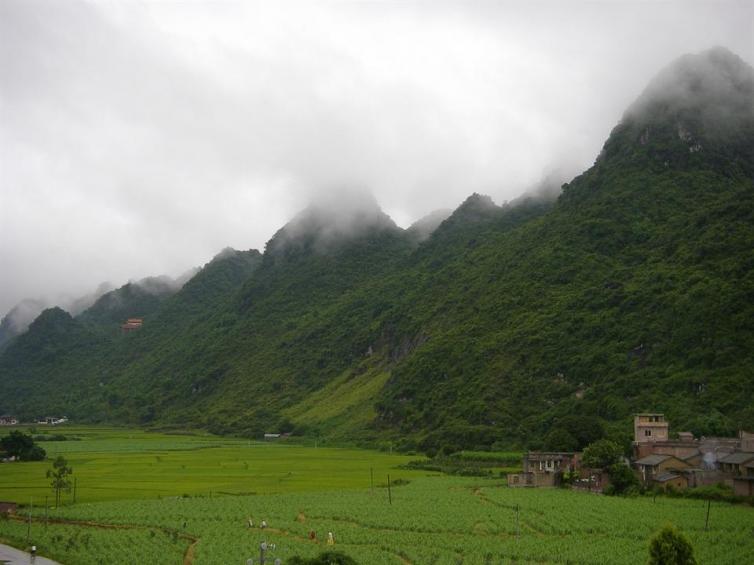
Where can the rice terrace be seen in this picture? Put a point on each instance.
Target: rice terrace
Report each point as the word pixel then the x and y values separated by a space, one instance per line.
pixel 145 497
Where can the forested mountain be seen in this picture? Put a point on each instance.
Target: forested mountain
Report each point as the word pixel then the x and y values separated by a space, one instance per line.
pixel 544 322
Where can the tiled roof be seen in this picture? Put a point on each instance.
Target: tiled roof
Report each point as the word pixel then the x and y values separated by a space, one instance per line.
pixel 653 459
pixel 737 458
pixel 666 477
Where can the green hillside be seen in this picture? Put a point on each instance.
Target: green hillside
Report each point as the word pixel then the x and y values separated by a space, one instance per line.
pixel 544 322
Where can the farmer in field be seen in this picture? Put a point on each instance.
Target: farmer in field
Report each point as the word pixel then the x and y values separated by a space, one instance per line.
pixel 33 554
pixel 312 535
pixel 250 522
pixel 330 539
pixel 263 524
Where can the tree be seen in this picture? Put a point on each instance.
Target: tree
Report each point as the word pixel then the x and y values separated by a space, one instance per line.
pixel 622 478
pixel 21 445
pixel 585 429
pixel 60 477
pixel 601 454
pixel 559 439
pixel 670 547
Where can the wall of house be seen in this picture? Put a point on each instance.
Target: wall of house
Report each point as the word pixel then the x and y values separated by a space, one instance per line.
pixel 677 484
pixel 743 487
pixel 671 465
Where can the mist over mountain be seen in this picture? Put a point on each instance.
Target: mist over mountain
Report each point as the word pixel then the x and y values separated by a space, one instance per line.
pixel 18 318
pixel 542 322
pixel 336 217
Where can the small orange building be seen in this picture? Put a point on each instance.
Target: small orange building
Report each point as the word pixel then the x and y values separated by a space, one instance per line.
pixel 132 324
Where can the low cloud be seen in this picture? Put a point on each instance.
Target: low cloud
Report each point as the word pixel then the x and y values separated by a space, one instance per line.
pixel 142 138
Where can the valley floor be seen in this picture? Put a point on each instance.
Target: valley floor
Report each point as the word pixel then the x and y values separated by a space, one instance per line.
pixel 420 520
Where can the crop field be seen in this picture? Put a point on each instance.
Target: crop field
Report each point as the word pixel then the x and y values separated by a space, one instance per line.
pixel 444 520
pixel 121 463
pixel 162 499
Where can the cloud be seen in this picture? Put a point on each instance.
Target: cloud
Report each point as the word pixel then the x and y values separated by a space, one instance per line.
pixel 140 138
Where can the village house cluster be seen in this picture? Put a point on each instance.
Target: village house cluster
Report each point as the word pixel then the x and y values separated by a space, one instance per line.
pixel 678 463
pixel 47 420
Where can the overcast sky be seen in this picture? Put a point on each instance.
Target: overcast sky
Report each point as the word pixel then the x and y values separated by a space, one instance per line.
pixel 141 138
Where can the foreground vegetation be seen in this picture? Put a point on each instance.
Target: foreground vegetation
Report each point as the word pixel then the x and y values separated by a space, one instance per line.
pixel 430 520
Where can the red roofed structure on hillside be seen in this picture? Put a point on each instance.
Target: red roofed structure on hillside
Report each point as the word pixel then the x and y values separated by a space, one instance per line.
pixel 132 324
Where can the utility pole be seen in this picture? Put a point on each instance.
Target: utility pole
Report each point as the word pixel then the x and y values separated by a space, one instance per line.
pixel 28 527
pixel 706 523
pixel 47 517
pixel 518 526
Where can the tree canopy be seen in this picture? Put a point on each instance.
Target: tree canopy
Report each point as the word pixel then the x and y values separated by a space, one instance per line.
pixel 601 454
pixel 21 445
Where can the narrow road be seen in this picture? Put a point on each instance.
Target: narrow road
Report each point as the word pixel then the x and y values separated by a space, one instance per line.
pixel 13 556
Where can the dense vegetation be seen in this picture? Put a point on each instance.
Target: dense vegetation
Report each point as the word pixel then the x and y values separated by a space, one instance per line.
pixel 541 323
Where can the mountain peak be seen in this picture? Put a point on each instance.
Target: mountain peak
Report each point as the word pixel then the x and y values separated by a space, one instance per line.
pixel 716 82
pixel 475 208
pixel 697 112
pixel 333 218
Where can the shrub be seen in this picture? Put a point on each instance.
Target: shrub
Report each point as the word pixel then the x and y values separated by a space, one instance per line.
pixel 326 558
pixel 670 547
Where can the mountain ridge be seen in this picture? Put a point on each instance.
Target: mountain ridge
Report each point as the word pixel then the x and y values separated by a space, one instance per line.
pixel 540 323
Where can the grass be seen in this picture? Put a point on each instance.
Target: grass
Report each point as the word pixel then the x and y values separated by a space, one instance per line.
pixel 347 398
pixel 123 463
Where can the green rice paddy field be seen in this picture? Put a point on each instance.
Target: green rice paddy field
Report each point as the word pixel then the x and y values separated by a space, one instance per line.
pixel 118 517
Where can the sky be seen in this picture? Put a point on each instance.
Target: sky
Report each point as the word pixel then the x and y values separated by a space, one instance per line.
pixel 141 138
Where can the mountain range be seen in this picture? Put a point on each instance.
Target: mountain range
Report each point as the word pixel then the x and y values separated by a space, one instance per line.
pixel 545 322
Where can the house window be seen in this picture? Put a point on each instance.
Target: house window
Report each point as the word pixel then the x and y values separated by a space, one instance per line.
pixel 647 432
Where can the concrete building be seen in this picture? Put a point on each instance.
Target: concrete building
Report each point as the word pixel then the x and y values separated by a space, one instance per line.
pixel 650 427
pixel 544 468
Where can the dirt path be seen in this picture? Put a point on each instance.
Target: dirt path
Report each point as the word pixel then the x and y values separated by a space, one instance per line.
pixel 188 557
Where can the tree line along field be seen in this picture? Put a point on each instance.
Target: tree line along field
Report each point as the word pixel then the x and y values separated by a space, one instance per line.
pixel 162 498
